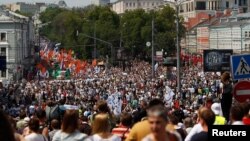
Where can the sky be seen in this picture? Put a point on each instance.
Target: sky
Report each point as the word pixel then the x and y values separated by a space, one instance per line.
pixel 70 3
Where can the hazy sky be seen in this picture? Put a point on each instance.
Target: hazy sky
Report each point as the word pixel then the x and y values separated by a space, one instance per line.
pixel 70 3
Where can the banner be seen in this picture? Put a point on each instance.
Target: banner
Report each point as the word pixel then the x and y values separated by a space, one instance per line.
pixel 217 60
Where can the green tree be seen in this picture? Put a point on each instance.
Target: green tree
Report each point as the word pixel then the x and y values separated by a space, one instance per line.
pixel 136 28
pixel 133 28
pixel 102 23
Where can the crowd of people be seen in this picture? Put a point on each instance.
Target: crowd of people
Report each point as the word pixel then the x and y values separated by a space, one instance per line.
pixel 119 105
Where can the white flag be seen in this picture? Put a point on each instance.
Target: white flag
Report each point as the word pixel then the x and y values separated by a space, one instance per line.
pixel 156 66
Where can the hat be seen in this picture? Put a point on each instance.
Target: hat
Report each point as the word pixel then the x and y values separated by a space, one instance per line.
pixel 216 108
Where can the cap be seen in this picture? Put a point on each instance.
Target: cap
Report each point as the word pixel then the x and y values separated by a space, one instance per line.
pixel 216 108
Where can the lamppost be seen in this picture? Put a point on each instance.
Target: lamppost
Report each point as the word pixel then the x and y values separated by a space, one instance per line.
pixel 177 4
pixel 153 70
pixel 148 44
pixel 178 49
pixel 95 41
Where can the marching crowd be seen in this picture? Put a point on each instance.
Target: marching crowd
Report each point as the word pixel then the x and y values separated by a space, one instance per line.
pixel 116 105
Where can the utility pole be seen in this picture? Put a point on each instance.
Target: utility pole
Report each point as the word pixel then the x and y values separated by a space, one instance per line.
pixel 95 41
pixel 178 49
pixel 153 71
pixel 241 40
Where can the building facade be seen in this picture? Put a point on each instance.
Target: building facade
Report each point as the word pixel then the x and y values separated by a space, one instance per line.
pixel 123 5
pixel 23 7
pixel 16 44
pixel 101 2
pixel 231 35
pixel 191 8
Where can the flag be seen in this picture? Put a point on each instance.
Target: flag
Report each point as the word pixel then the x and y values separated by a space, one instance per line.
pixel 168 97
pixel 67 74
pixel 57 73
pixel 156 66
pixel 94 63
pixel 39 66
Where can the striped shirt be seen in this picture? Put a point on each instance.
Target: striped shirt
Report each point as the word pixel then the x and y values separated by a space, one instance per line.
pixel 121 131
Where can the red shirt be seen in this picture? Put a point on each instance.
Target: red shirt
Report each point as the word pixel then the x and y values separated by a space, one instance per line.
pixel 121 131
pixel 246 120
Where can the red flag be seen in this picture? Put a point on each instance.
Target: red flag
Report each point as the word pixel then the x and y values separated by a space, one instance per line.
pixel 94 63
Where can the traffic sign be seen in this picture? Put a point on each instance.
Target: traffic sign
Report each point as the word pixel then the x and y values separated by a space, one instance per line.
pixel 240 66
pixel 241 91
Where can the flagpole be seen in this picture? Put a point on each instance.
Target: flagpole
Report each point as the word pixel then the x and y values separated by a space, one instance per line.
pixel 153 72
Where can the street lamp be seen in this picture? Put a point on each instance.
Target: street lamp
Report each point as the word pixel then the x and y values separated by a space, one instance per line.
pixel 148 44
pixel 177 4
pixel 178 49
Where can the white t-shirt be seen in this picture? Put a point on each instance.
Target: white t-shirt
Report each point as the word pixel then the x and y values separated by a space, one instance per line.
pixel 96 137
pixel 195 130
pixel 35 137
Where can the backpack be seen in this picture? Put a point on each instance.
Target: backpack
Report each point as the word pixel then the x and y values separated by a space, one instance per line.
pixel 53 112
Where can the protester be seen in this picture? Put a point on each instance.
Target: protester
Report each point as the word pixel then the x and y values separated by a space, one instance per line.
pixel 123 129
pixel 207 118
pixel 55 125
pixel 101 129
pixel 188 123
pixel 219 120
pixel 236 114
pixel 142 129
pixel 246 109
pixel 69 130
pixel 34 134
pixel 226 100
pixel 113 91
pixel 157 118
pixel 6 130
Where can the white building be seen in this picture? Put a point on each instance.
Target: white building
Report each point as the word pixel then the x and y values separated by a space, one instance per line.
pixel 122 5
pixel 16 44
pixel 101 2
pixel 190 8
pixel 231 33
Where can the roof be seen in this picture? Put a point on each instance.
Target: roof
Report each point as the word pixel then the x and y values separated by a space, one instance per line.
pixel 244 15
pixel 232 24
pixel 5 18
pixel 18 15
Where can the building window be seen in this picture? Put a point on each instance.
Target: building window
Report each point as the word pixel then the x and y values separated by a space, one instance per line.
pixel 130 4
pixel 246 35
pixel 244 2
pixel 153 4
pixel 3 37
pixel 3 52
pixel 3 73
pixel 139 4
pixel 133 4
pixel 200 5
pixel 192 6
pixel 235 1
pixel 227 4
pixel 126 4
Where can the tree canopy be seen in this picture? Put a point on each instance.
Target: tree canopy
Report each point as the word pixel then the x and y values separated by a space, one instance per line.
pixel 76 29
